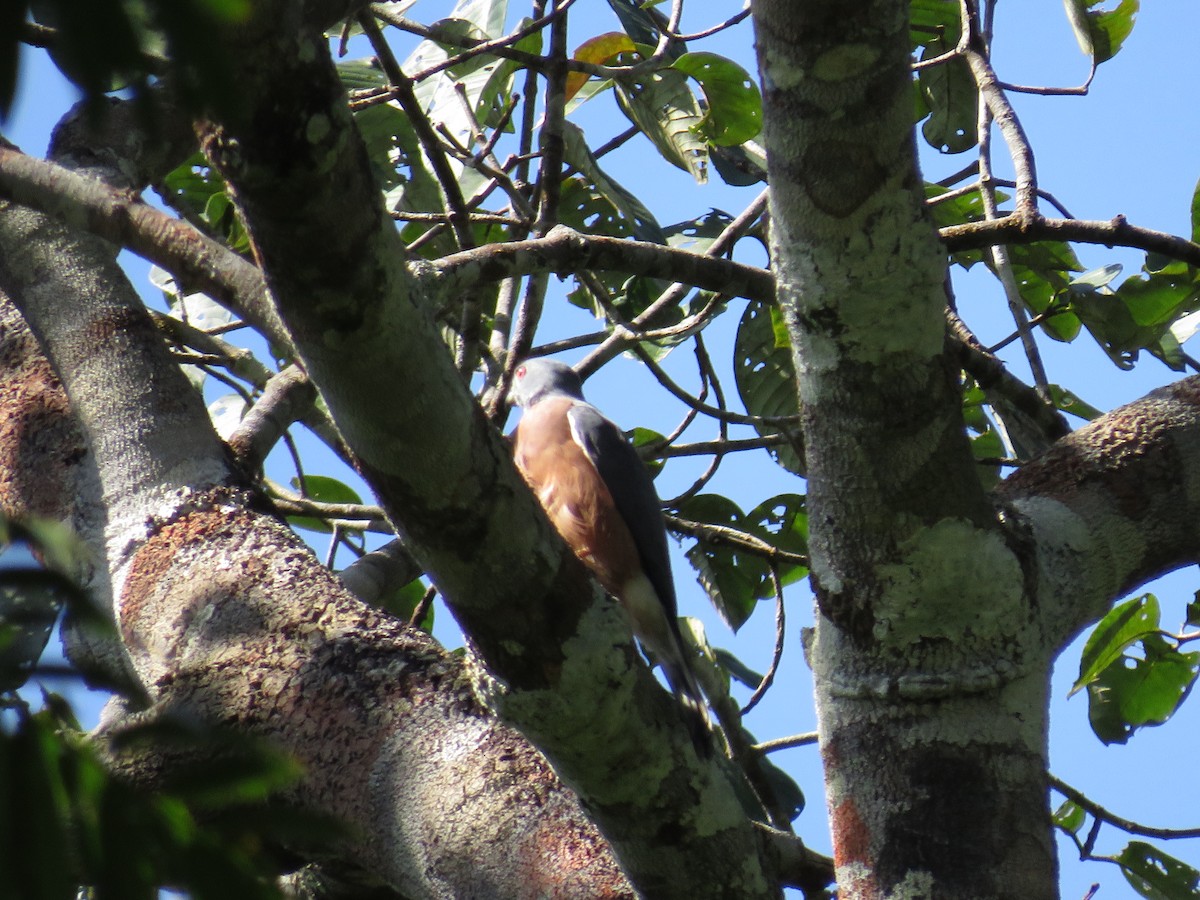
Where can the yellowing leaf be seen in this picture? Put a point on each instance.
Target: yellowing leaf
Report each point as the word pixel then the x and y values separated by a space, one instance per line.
pixel 597 50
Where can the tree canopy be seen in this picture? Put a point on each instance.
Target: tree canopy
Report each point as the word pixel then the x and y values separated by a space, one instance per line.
pixel 806 253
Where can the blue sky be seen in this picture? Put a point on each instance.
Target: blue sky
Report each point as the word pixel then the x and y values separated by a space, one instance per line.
pixel 1129 147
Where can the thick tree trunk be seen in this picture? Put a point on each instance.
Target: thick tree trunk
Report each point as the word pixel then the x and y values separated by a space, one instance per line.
pixel 930 670
pixel 225 617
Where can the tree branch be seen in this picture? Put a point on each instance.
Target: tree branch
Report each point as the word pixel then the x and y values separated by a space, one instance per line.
pixel 566 250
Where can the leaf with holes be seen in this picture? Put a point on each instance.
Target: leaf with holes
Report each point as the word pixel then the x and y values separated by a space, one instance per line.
pixel 949 91
pixel 1156 875
pixel 736 578
pixel 664 109
pixel 1125 624
pixel 1132 693
pixel 731 577
pixel 734 113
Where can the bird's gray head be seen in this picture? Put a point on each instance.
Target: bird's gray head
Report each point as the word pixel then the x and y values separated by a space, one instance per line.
pixel 536 379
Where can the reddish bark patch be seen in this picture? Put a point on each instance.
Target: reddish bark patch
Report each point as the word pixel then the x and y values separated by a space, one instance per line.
pixel 851 837
pixel 40 442
pixel 158 554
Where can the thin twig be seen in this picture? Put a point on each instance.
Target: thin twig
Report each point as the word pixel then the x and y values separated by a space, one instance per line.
pixel 1126 825
pixel 553 147
pixel 1026 191
pixel 777 654
pixel 788 743
pixel 421 610
pixel 714 29
pixel 742 540
pixel 723 243
pixel 402 87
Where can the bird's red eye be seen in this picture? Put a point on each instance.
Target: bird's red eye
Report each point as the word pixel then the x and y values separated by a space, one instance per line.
pixel 520 373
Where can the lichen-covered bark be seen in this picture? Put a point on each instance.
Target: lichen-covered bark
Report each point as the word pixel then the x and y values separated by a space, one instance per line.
pixel 931 672
pixel 228 618
pixel 359 315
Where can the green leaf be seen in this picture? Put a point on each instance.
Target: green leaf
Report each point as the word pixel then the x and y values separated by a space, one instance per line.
pixel 738 670
pixel 734 113
pixel 1044 272
pixel 1132 693
pixel 1196 213
pixel 641 21
pixel 323 489
pixel 1108 29
pixel 1125 624
pixel 1156 875
pixel 734 578
pixel 788 796
pixel 933 20
pixel 402 603
pixel 599 50
pixel 638 219
pixel 730 578
pixel 1077 15
pixel 30 600
pixel 485 82
pixel 1069 402
pixel 664 109
pixel 950 93
pixel 34 826
pixel 765 374
pixel 1070 817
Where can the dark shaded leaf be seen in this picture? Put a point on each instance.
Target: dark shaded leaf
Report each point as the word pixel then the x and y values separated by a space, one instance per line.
pixel 765 374
pixel 738 670
pixel 949 92
pixel 30 600
pixel 788 796
pixel 734 578
pixel 1156 875
pixel 323 489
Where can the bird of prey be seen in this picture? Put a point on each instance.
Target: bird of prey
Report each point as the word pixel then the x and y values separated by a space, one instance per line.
pixel 599 496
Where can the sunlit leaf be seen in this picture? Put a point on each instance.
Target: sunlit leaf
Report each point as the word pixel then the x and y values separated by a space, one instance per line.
pixel 1070 817
pixel 932 20
pixel 734 113
pixel 1078 17
pixel 323 489
pixel 1124 624
pixel 663 107
pixel 1108 29
pixel 1132 693
pixel 598 50
pixel 1069 402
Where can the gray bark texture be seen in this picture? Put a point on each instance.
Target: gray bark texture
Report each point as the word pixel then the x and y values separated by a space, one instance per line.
pixel 549 762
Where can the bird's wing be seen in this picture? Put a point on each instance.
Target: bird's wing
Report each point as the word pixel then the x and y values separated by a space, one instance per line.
pixel 632 490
